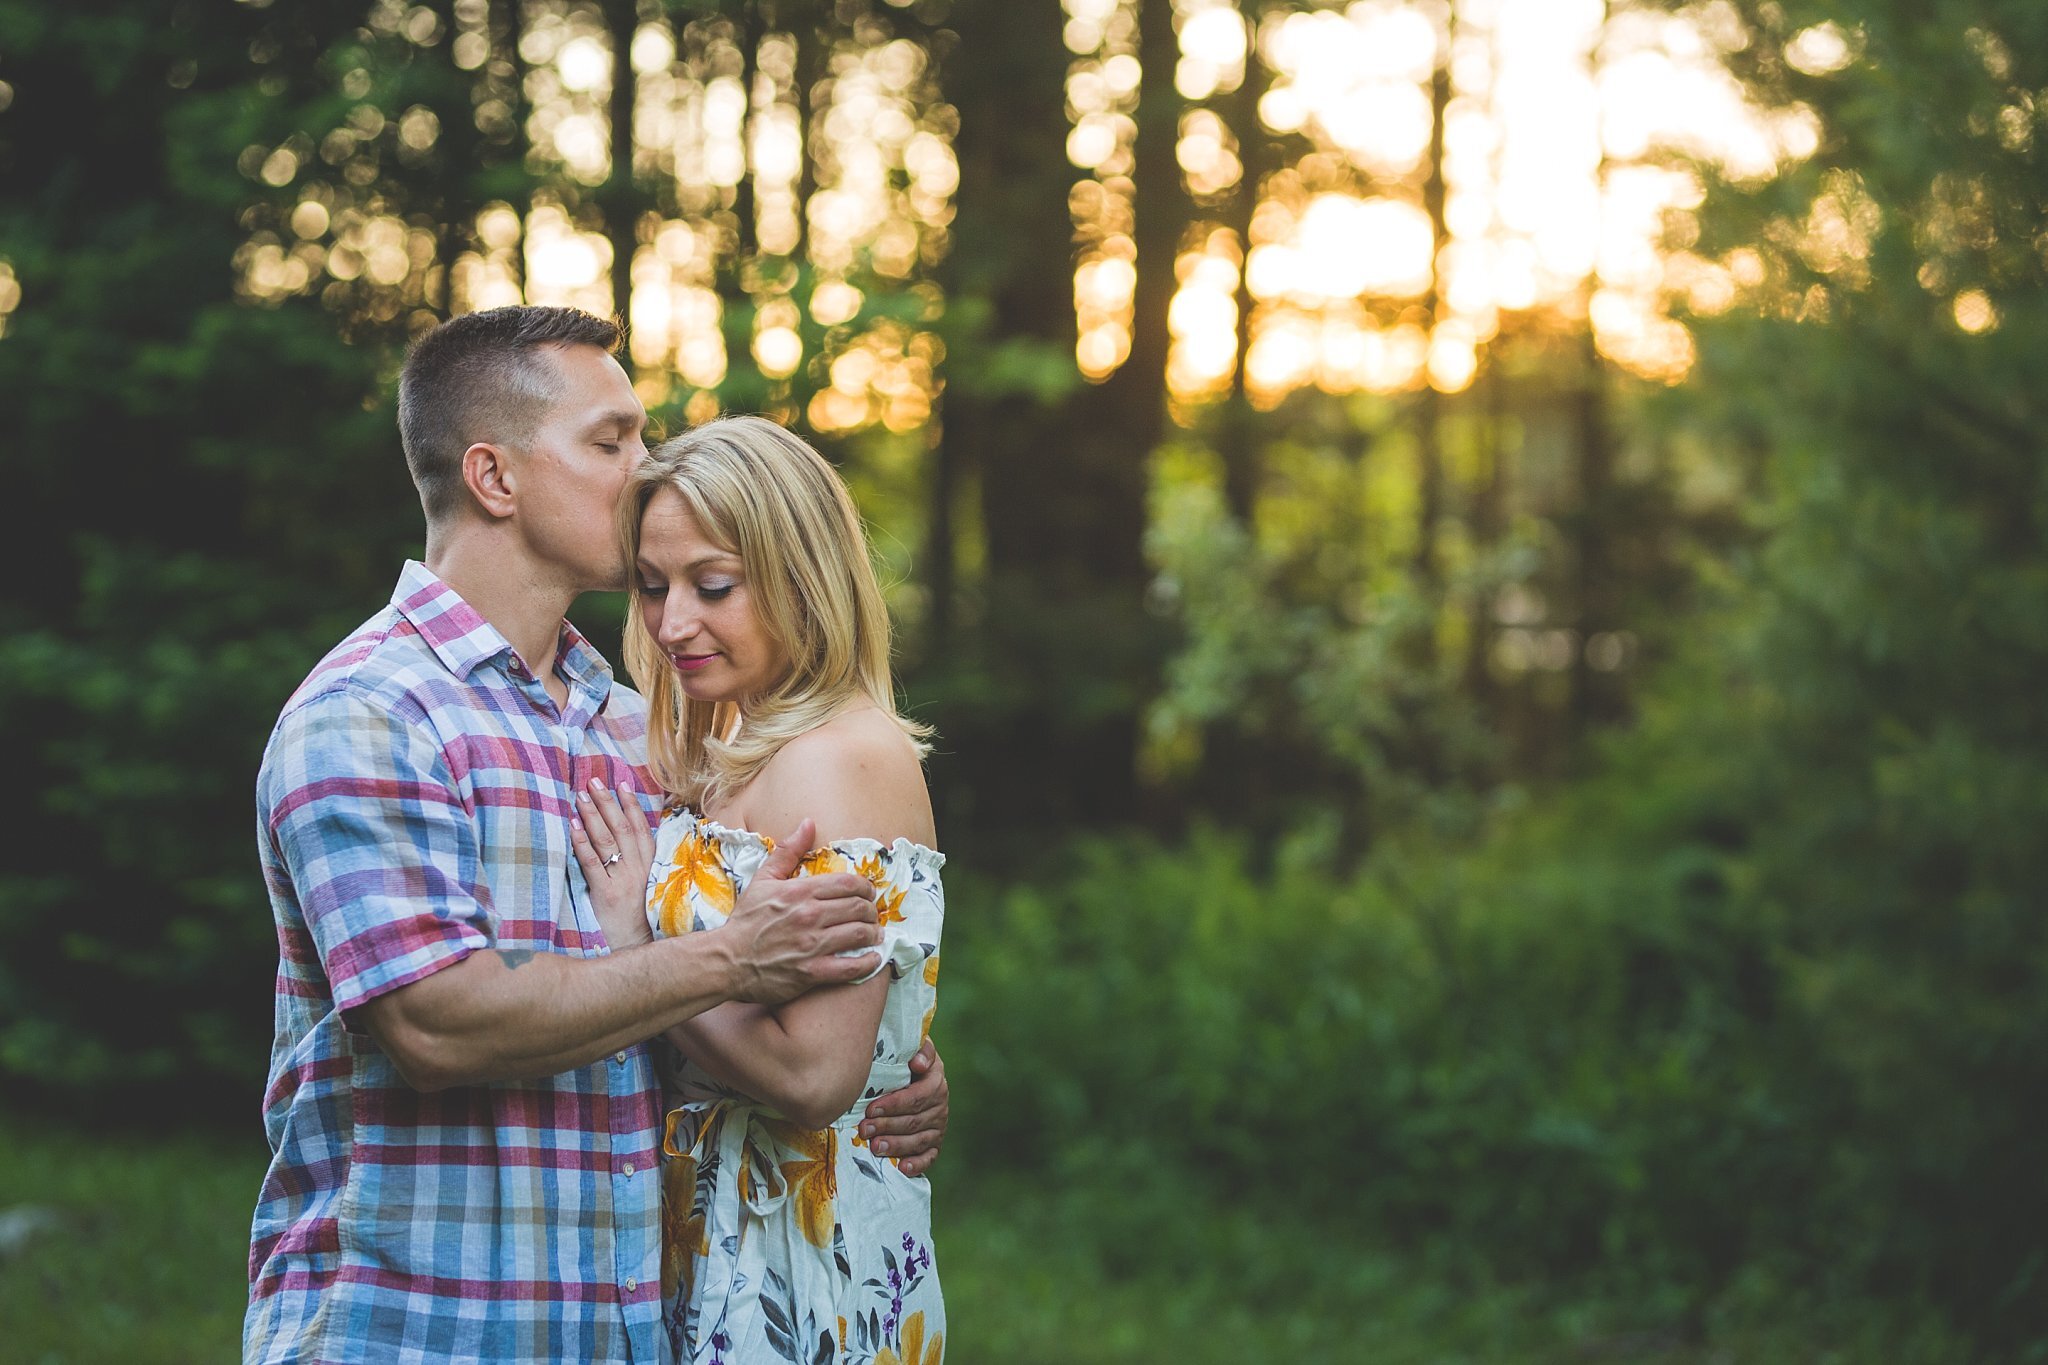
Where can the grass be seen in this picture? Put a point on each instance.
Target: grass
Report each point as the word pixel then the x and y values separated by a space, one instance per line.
pixel 145 1263
pixel 1205 1283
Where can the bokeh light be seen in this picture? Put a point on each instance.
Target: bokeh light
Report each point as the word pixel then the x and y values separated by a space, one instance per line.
pixel 1451 167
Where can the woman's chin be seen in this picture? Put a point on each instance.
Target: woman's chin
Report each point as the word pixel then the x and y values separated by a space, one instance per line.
pixel 702 690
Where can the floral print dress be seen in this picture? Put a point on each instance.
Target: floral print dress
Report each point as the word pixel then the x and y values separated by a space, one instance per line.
pixel 781 1243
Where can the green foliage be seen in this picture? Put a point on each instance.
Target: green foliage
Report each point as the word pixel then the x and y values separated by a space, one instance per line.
pixel 1589 1052
pixel 217 496
pixel 1539 1066
pixel 1878 691
pixel 1311 645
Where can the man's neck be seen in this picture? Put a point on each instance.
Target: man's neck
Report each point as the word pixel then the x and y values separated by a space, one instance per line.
pixel 509 592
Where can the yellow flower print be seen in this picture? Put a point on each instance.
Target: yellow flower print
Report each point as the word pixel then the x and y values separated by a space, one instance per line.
pixel 915 1351
pixel 820 862
pixel 699 868
pixel 813 1178
pixel 683 1237
pixel 888 903
pixel 931 978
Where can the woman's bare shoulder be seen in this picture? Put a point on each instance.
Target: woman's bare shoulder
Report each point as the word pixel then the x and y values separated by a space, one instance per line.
pixel 857 775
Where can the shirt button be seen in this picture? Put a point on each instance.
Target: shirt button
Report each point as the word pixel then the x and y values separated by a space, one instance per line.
pixel 629 1170
pixel 619 1057
pixel 631 1284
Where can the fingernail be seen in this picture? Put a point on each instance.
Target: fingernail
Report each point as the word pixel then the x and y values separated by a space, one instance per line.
pixel 882 1147
pixel 584 797
pixel 575 824
pixel 597 784
pixel 867 1130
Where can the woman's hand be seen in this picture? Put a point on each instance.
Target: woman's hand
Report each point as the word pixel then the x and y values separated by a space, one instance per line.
pixel 615 848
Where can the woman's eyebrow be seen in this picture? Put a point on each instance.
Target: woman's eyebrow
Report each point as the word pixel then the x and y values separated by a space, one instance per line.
pixel 721 557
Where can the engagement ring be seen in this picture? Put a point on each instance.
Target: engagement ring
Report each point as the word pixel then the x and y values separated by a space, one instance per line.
pixel 609 861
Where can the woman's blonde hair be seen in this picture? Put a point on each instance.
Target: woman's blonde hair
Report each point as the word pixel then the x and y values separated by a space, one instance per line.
pixel 761 493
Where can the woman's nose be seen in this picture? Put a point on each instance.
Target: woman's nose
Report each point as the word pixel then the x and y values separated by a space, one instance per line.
pixel 678 622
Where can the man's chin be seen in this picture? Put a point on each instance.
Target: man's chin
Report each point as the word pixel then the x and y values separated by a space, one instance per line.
pixel 613 580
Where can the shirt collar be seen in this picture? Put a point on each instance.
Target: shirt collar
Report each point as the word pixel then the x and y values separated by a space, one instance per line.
pixel 461 638
pixel 453 629
pixel 586 669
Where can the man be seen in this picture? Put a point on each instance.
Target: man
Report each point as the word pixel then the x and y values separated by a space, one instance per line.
pixel 462 1109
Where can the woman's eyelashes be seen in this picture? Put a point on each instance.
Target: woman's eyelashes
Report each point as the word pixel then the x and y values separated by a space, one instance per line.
pixel 715 591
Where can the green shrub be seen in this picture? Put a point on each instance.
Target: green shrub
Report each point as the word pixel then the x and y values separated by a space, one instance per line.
pixel 1555 1063
pixel 1604 1044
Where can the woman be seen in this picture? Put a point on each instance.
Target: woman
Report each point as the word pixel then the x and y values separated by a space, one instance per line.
pixel 762 644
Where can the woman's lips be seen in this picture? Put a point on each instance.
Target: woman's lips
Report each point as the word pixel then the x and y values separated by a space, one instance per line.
pixel 690 663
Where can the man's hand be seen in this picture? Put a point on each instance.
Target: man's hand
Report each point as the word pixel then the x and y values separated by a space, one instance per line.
pixel 909 1124
pixel 786 931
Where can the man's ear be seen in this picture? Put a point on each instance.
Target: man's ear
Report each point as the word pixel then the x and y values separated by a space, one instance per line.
pixel 487 473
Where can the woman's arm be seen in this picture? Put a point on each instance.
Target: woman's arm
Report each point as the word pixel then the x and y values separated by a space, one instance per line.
pixel 808 1058
pixel 858 777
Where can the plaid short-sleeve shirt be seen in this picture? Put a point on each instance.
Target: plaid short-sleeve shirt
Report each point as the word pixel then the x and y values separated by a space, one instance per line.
pixel 414 807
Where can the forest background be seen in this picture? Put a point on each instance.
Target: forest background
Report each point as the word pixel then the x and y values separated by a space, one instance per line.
pixel 1481 569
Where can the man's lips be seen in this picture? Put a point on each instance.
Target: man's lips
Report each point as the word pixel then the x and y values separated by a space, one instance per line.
pixel 690 663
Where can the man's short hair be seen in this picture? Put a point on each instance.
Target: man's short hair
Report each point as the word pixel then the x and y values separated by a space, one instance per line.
pixel 482 377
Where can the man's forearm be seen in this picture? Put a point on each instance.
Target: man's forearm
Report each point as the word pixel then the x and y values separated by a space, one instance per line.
pixel 514 1014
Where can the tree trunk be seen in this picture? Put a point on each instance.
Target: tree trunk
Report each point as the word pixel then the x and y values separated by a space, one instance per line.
pixel 621 200
pixel 1592 567
pixel 509 17
pixel 751 28
pixel 1063 653
pixel 1594 588
pixel 458 149
pixel 813 62
pixel 1429 411
pixel 1237 443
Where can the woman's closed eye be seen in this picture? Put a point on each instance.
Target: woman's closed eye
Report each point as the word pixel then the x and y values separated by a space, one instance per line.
pixel 653 589
pixel 714 592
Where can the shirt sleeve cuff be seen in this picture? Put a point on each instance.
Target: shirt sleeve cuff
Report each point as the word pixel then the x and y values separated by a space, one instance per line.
pixel 360 972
